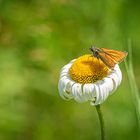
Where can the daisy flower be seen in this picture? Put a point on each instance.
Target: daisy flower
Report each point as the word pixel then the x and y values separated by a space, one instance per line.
pixel 88 79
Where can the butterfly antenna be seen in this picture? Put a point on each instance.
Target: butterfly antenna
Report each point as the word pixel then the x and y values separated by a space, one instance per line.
pixel 91 48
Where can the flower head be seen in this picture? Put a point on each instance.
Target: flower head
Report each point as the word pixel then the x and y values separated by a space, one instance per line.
pixel 88 79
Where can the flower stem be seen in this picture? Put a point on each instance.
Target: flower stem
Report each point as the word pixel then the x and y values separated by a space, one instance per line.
pixel 100 115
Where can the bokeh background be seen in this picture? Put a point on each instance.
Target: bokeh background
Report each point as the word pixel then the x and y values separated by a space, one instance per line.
pixel 37 38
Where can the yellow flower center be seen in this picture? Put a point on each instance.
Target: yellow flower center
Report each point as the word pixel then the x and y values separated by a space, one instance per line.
pixel 88 69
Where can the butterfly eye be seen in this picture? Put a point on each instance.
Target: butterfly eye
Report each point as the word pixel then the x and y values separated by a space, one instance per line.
pixel 96 53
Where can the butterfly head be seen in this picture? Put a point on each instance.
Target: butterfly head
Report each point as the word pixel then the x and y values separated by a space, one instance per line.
pixel 95 51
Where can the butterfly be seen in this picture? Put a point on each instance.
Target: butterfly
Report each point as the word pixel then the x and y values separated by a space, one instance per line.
pixel 109 57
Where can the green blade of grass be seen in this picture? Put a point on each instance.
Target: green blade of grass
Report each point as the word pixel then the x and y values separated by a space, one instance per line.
pixel 132 82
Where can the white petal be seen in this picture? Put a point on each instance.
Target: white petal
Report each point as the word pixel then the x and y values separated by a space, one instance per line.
pixel 89 91
pixel 66 68
pixel 118 73
pixel 68 88
pixel 97 95
pixel 109 84
pixel 77 92
pixel 103 91
pixel 115 80
pixel 106 87
pixel 72 60
pixel 100 94
pixel 65 83
pixel 64 89
pixel 63 74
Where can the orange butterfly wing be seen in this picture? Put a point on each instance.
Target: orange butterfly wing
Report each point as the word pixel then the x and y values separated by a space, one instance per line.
pixel 111 57
pixel 116 55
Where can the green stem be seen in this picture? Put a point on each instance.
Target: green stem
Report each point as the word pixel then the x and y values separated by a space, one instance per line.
pixel 100 115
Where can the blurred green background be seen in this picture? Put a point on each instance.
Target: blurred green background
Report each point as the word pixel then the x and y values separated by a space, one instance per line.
pixel 37 38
